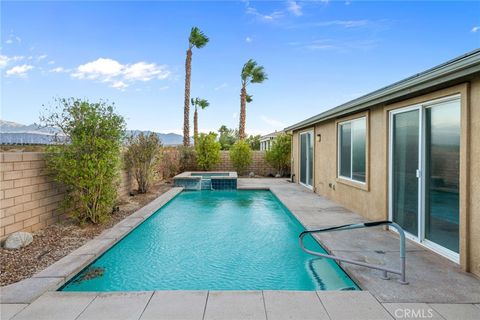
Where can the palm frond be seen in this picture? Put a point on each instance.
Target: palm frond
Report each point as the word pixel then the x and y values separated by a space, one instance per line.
pixel 259 75
pixel 248 98
pixel 203 103
pixel 247 69
pixel 197 38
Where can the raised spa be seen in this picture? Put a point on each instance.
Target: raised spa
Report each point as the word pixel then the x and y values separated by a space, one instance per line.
pixel 206 180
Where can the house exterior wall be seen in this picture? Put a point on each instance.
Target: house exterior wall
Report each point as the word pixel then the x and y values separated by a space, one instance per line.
pixel 371 199
pixel 29 198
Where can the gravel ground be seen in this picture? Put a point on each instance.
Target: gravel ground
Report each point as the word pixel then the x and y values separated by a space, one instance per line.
pixel 56 241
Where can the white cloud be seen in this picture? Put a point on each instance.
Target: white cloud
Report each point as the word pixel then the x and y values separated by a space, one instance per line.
pixel 100 68
pixel 118 75
pixel 43 56
pixel 163 88
pixel 145 71
pixel 19 71
pixel 51 62
pixel 476 29
pixel 222 86
pixel 294 8
pixel 119 85
pixel 272 122
pixel 248 39
pixel 12 39
pixel 275 15
pixel 5 60
pixel 338 45
pixel 59 70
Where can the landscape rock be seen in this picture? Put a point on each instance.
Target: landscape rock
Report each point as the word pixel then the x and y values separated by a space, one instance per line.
pixel 278 175
pixel 18 240
pixel 251 175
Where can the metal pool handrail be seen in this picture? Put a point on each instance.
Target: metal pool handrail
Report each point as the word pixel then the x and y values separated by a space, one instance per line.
pixel 400 272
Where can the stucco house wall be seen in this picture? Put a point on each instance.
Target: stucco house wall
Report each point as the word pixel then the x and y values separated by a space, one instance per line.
pixel 371 200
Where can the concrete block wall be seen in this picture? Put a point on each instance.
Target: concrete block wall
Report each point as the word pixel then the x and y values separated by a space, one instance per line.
pixel 29 199
pixel 259 165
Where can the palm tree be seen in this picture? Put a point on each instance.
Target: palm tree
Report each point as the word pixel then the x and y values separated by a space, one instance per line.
pixel 251 73
pixel 202 103
pixel 198 40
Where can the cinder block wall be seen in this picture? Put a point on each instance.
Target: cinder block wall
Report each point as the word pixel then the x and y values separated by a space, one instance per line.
pixel 29 199
pixel 259 165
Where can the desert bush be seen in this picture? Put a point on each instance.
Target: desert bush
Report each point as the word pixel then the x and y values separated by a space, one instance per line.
pixel 169 166
pixel 208 150
pixel 187 158
pixel 87 159
pixel 279 155
pixel 241 156
pixel 141 157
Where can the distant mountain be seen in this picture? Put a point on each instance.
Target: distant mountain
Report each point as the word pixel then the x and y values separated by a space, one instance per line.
pixel 168 139
pixel 16 133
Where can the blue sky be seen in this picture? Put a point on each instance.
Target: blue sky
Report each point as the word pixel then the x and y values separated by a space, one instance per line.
pixel 317 54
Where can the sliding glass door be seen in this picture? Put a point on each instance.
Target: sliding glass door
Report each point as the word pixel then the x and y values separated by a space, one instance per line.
pixel 306 158
pixel 442 166
pixel 424 173
pixel 405 164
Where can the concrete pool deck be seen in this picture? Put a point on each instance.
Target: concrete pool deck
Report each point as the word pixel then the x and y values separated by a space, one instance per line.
pixel 437 289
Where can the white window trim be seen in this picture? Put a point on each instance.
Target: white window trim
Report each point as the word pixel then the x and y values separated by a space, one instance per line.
pixel 339 154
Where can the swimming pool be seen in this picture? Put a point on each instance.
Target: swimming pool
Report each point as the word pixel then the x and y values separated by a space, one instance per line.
pixel 214 240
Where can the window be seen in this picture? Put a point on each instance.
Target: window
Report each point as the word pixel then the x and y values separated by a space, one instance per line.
pixel 352 136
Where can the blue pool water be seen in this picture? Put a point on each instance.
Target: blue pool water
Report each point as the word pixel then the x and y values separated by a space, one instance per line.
pixel 214 240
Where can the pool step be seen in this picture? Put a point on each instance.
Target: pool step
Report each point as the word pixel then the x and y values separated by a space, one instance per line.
pixel 206 184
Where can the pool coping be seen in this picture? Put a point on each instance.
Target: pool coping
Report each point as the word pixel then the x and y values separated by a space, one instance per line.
pixel 188 175
pixel 59 273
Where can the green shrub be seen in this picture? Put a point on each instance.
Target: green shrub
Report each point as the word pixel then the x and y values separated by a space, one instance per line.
pixel 87 162
pixel 241 156
pixel 279 155
pixel 254 142
pixel 227 137
pixel 208 151
pixel 170 164
pixel 141 157
pixel 187 158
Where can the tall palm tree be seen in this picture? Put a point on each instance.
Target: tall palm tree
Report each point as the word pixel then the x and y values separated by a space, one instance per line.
pixel 197 40
pixel 202 103
pixel 251 73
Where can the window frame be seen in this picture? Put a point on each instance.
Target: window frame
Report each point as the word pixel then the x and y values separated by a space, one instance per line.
pixel 348 180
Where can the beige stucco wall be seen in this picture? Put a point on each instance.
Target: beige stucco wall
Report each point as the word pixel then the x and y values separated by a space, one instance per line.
pixel 474 181
pixel 371 200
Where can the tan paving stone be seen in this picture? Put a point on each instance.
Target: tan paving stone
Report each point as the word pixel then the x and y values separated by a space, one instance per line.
pixel 292 305
pixel 176 305
pixel 237 305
